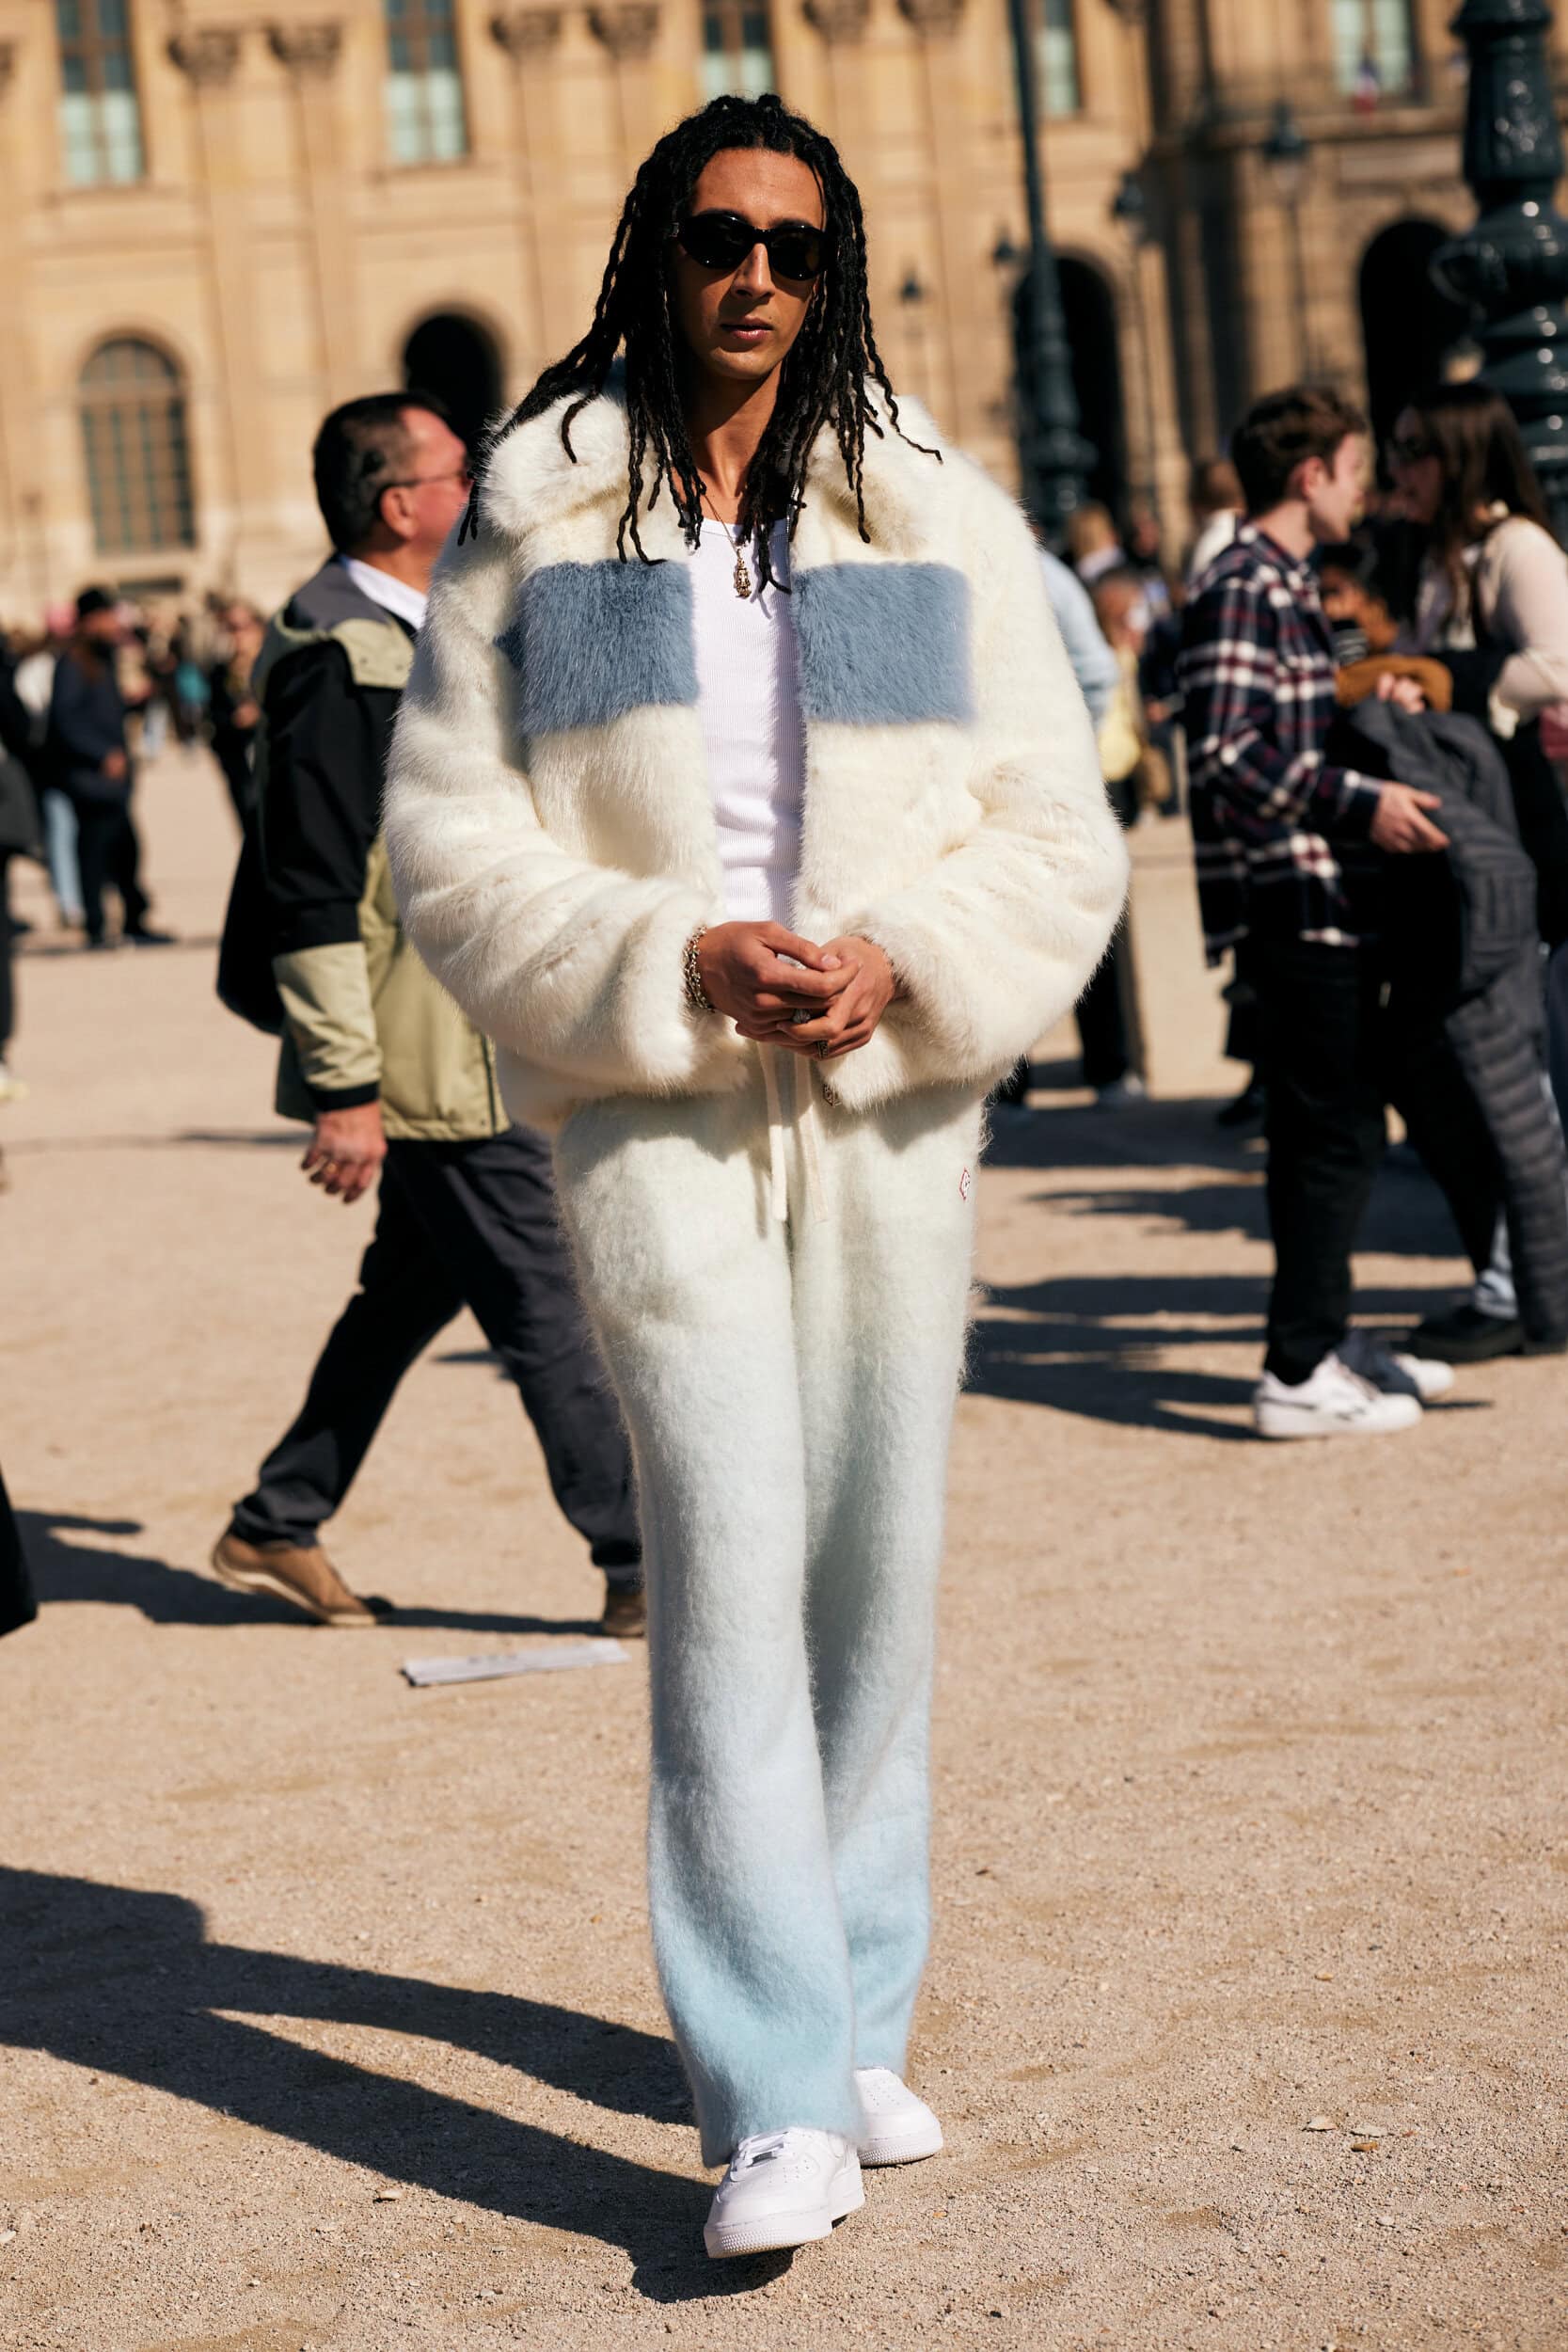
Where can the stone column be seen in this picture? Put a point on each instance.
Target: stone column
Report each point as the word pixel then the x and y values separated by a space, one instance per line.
pixel 842 25
pixel 309 53
pixel 209 58
pixel 936 23
pixel 530 36
pixel 628 29
pixel 21 470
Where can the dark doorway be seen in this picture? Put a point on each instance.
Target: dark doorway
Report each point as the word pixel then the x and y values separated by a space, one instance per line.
pixel 448 355
pixel 1407 327
pixel 1089 311
pixel 1090 318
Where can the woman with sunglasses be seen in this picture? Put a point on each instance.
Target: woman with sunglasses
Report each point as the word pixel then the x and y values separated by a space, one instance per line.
pixel 743 794
pixel 1492 606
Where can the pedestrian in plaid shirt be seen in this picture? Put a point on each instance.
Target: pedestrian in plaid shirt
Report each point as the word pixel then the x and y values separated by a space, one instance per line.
pixel 1289 851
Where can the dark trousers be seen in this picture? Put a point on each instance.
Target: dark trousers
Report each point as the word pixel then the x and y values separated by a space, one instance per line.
pixel 1336 1052
pixel 108 852
pixel 461 1224
pixel 1321 1012
pixel 1101 1016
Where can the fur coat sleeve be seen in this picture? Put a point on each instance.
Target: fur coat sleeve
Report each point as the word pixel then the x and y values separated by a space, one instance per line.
pixel 571 966
pixel 998 939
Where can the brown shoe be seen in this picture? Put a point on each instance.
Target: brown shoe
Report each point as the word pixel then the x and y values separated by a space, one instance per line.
pixel 625 1615
pixel 297 1572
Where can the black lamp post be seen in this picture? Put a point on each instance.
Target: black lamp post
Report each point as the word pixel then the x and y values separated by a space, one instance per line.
pixel 1056 458
pixel 1511 266
pixel 1286 156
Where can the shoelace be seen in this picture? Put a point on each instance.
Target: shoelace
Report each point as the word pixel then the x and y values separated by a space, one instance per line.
pixel 759 2150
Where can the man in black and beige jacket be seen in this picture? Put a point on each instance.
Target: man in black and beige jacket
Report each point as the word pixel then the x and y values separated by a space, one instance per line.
pixel 392 1078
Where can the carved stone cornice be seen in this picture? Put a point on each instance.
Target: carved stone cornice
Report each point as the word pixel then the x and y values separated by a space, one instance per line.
pixel 311 52
pixel 207 55
pixel 628 29
pixel 526 32
pixel 935 20
pixel 839 22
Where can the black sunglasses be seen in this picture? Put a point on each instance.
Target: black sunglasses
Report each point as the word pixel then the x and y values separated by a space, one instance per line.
pixel 1406 448
pixel 723 240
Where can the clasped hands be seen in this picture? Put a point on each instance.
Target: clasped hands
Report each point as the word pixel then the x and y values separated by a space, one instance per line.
pixel 784 989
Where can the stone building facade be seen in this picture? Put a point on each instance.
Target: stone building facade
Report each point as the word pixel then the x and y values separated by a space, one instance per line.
pixel 224 215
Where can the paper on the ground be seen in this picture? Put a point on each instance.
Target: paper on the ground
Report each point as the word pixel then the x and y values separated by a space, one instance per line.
pixel 421 1671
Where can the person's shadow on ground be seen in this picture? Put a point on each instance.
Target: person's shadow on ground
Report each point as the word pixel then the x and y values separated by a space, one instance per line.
pixel 123 1981
pixel 64 1569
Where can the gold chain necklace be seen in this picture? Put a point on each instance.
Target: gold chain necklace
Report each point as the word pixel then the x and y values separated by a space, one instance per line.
pixel 742 576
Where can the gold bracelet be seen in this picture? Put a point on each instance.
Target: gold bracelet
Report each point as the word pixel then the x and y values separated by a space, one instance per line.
pixel 696 995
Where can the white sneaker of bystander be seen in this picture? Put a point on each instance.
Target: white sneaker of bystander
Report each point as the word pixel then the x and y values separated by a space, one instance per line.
pixel 1335 1403
pixel 1370 1353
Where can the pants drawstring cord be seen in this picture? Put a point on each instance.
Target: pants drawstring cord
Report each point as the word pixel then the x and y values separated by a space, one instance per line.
pixel 805 1124
pixel 777 1172
pixel 806 1121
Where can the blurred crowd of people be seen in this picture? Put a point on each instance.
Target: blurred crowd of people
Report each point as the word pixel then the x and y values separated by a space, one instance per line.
pixel 85 698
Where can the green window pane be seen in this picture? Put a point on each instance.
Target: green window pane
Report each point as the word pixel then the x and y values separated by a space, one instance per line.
pixel 1056 58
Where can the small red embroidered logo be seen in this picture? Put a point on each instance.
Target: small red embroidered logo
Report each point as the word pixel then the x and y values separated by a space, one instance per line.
pixel 964 1183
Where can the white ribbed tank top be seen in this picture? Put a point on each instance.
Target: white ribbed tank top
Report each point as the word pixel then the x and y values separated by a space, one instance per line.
pixel 749 704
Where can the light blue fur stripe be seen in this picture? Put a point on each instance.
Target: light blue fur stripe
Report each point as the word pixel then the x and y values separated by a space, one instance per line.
pixel 884 644
pixel 591 641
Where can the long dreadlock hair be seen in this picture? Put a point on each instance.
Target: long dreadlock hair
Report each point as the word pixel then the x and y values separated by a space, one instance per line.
pixel 823 380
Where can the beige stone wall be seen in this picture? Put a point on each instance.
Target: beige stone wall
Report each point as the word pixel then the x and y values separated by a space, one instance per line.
pixel 277 253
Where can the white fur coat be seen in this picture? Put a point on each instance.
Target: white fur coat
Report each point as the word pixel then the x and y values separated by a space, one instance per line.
pixel 549 819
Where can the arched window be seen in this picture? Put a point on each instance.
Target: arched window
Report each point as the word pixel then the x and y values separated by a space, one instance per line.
pixel 134 432
pixel 738 49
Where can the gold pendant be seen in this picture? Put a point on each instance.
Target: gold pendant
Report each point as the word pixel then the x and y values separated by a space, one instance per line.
pixel 742 577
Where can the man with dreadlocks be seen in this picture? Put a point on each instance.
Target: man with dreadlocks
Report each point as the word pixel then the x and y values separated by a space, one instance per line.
pixel 742 793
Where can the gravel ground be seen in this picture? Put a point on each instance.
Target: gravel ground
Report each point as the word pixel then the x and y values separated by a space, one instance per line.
pixel 327 2016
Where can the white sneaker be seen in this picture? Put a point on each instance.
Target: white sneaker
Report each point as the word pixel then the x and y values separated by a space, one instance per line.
pixel 1397 1374
pixel 899 2128
pixel 1335 1403
pixel 783 2189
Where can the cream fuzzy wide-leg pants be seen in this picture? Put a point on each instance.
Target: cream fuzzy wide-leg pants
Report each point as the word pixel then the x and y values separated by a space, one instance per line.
pixel 788 1385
